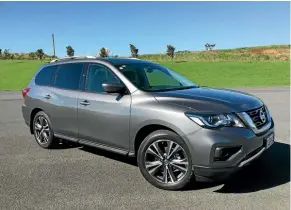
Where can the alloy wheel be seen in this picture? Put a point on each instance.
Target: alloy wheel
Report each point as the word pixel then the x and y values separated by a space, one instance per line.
pixel 166 161
pixel 42 130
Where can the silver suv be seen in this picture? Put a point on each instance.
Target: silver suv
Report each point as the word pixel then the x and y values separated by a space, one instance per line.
pixel 176 129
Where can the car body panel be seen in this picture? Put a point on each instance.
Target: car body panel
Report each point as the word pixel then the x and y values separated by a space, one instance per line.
pixel 210 100
pixel 146 110
pixel 106 119
pixel 61 107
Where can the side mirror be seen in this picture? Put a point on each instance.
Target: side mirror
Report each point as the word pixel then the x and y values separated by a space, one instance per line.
pixel 113 88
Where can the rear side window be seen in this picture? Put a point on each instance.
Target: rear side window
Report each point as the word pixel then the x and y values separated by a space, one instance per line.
pixel 45 76
pixel 68 76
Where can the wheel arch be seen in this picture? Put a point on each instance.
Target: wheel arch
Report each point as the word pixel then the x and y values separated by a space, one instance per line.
pixel 148 128
pixel 32 115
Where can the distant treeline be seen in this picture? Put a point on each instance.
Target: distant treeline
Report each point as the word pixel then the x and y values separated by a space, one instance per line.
pixel 6 54
pixel 260 53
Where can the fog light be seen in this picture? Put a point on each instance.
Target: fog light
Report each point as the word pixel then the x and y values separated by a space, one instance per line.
pixel 225 153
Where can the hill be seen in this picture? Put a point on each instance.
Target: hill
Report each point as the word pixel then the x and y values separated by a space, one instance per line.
pixel 259 53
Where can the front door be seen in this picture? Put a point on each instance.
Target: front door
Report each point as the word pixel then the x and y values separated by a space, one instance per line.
pixel 103 118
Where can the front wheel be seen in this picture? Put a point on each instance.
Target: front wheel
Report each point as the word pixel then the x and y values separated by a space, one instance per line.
pixel 165 161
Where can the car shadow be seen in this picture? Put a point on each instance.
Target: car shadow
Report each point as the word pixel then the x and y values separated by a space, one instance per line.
pixel 270 170
pixel 63 144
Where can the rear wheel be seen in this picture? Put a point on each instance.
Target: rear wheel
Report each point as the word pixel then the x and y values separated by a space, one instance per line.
pixel 43 131
pixel 164 160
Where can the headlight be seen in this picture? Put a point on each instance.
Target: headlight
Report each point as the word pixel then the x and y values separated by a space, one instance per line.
pixel 214 121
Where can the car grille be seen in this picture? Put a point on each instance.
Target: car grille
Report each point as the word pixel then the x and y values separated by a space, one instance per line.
pixel 257 116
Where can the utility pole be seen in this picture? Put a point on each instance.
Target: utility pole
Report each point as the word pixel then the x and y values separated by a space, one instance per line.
pixel 54 45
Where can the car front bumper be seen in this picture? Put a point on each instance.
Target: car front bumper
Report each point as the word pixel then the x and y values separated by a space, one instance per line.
pixel 204 142
pixel 207 174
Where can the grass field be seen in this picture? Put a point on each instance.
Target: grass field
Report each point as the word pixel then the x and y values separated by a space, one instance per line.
pixel 234 74
pixel 15 75
pixel 259 53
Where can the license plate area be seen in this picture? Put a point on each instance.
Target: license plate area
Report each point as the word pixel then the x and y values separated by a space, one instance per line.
pixel 269 140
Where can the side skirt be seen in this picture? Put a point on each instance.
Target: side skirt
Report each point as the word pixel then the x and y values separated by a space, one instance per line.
pixel 66 137
pixel 94 144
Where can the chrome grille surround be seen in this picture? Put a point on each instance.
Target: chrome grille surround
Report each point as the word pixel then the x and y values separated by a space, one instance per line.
pixel 250 118
pixel 255 116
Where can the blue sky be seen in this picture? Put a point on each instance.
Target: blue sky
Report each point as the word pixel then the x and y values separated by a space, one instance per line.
pixel 88 26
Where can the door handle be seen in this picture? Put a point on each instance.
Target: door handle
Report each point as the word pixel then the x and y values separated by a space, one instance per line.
pixel 85 103
pixel 48 96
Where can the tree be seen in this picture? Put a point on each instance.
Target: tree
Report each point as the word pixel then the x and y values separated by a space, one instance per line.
pixel 103 52
pixel 209 46
pixel 70 51
pixel 6 54
pixel 39 53
pixel 0 52
pixel 31 55
pixel 170 51
pixel 134 51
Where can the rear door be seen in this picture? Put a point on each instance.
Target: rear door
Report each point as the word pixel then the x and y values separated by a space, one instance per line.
pixel 103 118
pixel 62 99
pixel 41 86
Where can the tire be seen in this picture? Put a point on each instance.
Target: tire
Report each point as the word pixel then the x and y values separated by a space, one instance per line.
pixel 173 180
pixel 46 139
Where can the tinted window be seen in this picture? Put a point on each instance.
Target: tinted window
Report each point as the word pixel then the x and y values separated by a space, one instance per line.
pixel 153 77
pixel 45 76
pixel 161 78
pixel 97 75
pixel 68 76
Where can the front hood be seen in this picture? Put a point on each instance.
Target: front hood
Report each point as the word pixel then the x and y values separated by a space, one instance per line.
pixel 210 100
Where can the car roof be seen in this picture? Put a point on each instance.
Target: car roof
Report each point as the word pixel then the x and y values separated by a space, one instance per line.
pixel 91 58
pixel 112 61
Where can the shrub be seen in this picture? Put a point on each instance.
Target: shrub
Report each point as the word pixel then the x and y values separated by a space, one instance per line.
pixel 70 51
pixel 133 50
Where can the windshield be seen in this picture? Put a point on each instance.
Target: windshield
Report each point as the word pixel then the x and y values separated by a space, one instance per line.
pixel 152 77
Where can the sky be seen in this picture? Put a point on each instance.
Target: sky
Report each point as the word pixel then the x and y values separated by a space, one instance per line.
pixel 150 26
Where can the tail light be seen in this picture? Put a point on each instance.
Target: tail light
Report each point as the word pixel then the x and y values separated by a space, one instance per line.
pixel 25 91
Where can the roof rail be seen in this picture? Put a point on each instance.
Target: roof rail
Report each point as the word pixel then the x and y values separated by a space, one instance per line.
pixel 71 58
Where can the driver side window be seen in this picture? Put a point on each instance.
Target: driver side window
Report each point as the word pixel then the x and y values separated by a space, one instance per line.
pixel 97 75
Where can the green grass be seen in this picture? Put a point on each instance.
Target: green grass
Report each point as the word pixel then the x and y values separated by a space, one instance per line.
pixel 234 74
pixel 15 75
